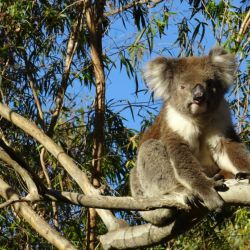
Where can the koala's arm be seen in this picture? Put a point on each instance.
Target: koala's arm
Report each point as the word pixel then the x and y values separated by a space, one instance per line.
pixel 188 172
pixel 231 154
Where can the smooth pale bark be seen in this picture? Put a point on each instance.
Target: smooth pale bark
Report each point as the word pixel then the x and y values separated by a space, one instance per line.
pixel 121 203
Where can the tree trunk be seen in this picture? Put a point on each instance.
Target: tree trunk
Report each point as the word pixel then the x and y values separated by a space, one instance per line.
pixel 94 16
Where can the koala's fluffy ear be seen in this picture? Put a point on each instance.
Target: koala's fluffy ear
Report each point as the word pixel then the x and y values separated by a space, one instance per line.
pixel 224 64
pixel 158 75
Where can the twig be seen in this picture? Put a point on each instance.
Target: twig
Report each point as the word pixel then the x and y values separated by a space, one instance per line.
pixel 36 98
pixel 54 207
pixel 132 4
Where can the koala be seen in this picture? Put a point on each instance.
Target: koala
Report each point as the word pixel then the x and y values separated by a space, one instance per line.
pixel 193 138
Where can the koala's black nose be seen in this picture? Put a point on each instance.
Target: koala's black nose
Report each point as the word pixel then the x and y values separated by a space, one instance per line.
pixel 198 93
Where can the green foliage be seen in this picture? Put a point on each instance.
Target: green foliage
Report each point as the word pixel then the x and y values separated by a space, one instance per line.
pixel 229 230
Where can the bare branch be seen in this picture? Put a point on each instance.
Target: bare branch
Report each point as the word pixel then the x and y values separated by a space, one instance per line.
pixel 45 172
pixel 41 226
pixel 121 203
pixel 110 202
pixel 32 82
pixel 36 98
pixel 244 27
pixel 8 202
pixel 238 194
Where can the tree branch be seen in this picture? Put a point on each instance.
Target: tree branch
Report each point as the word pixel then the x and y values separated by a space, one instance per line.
pixel 244 27
pixel 41 226
pixel 111 202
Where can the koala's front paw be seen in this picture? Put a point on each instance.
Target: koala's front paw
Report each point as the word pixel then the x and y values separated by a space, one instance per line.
pixel 219 184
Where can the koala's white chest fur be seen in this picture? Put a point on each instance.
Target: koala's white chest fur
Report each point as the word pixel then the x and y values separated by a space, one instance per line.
pixel 190 131
pixel 185 127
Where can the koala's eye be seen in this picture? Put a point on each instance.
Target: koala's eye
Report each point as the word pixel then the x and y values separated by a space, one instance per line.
pixel 182 87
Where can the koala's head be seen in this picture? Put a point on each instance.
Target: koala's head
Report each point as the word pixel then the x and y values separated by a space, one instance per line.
pixel 193 85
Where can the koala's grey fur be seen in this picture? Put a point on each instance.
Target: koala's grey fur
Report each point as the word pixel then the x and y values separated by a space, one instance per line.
pixel 193 138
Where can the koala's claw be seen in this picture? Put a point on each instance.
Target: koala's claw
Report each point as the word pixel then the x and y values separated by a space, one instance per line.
pixel 219 185
pixel 218 177
pixel 193 201
pixel 214 203
pixel 242 176
pixel 222 187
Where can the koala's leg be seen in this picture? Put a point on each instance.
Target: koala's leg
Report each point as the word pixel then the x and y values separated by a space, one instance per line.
pixel 157 217
pixel 233 157
pixel 134 183
pixel 188 171
pixel 153 176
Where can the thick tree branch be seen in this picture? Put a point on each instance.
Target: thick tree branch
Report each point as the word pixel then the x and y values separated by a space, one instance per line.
pixel 41 226
pixel 238 194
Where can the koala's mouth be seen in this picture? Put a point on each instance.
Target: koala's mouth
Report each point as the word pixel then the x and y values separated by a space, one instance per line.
pixel 198 107
pixel 198 102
